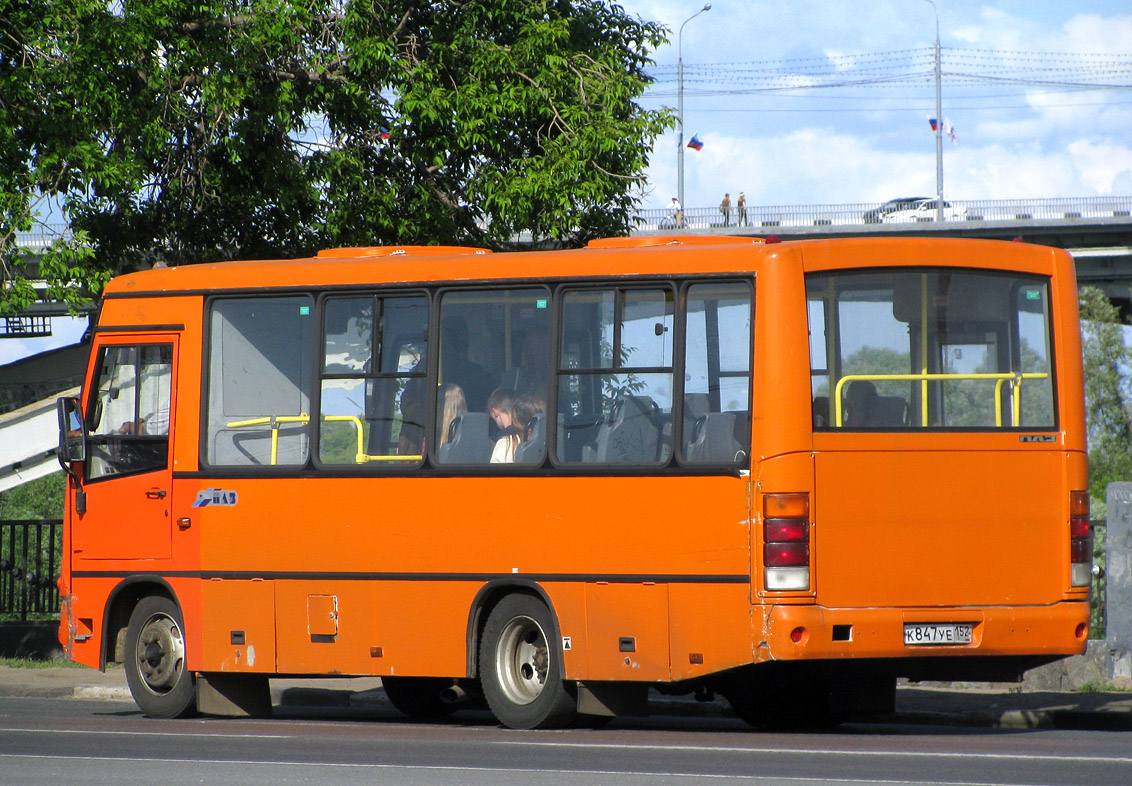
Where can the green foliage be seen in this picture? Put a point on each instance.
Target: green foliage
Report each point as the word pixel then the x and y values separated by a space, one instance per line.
pixel 38 499
pixel 197 130
pixel 338 442
pixel 1108 413
pixel 1108 393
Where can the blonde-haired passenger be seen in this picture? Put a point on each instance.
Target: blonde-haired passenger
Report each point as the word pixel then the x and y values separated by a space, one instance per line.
pixel 452 404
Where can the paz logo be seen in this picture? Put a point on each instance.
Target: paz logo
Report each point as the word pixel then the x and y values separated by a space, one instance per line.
pixel 209 497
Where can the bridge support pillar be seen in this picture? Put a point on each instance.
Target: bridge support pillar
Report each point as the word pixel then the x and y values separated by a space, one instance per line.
pixel 1118 580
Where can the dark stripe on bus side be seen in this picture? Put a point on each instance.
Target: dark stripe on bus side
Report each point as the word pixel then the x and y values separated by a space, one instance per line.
pixel 137 328
pixel 545 578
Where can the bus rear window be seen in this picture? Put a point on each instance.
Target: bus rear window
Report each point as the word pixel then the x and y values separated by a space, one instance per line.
pixel 930 348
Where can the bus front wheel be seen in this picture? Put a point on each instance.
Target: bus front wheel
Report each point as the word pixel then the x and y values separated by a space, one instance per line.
pixel 521 667
pixel 160 683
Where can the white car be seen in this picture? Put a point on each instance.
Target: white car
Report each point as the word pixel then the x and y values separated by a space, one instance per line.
pixel 924 210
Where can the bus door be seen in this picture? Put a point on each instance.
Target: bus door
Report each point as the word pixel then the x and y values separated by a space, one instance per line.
pixel 128 470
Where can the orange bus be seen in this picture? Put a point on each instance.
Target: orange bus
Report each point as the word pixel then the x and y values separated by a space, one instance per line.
pixel 787 473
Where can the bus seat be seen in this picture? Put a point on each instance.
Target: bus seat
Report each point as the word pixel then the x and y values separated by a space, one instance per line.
pixel 531 449
pixel 713 439
pixel 468 441
pixel 889 411
pixel 696 405
pixel 630 435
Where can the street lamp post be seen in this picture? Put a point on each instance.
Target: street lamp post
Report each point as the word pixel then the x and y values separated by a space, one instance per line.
pixel 938 122
pixel 680 105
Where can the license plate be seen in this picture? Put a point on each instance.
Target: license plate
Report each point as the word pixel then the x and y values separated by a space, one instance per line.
pixel 937 633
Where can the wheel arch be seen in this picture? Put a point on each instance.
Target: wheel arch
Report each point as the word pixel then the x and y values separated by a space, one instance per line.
pixel 120 604
pixel 489 595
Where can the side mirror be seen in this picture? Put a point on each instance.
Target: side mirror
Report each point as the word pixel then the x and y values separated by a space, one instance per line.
pixel 72 432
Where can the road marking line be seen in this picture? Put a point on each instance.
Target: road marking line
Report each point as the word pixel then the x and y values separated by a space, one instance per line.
pixel 825 751
pixel 151 733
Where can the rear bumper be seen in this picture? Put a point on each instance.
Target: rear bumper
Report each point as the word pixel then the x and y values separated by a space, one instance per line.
pixel 1044 631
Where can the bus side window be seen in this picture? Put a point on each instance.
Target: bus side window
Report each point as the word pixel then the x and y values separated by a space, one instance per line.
pixel 259 381
pixel 373 403
pixel 615 376
pixel 491 340
pixel 717 373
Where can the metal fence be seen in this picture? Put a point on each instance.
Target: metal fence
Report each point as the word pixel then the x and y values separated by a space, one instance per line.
pixel 29 565
pixel 969 213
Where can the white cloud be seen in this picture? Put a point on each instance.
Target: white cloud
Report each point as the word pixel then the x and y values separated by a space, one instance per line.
pixel 1100 165
pixel 1014 141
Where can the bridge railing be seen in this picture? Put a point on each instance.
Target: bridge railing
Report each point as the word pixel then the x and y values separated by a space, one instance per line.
pixel 42 237
pixel 772 218
pixel 30 554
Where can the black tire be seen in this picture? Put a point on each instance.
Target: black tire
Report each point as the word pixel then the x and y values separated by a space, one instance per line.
pixel 521 667
pixel 160 683
pixel 418 697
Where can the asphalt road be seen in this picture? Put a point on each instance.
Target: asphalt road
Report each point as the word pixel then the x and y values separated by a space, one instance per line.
pixel 97 743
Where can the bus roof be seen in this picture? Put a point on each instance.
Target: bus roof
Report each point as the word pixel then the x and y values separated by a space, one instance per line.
pixel 652 255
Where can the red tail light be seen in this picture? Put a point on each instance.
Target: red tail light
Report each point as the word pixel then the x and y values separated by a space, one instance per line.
pixel 786 541
pixel 1080 540
pixel 786 555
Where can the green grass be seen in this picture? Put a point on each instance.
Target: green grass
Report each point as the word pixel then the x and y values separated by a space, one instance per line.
pixel 1100 687
pixel 37 663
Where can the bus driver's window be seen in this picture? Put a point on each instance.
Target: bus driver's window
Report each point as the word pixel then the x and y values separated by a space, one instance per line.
pixel 129 422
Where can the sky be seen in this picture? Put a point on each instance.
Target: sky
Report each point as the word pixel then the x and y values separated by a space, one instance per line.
pixel 1019 88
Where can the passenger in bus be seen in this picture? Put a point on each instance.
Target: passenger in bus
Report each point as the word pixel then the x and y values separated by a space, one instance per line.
pixel 523 412
pixel 530 376
pixel 410 440
pixel 500 407
pixel 860 403
pixel 456 367
pixel 452 404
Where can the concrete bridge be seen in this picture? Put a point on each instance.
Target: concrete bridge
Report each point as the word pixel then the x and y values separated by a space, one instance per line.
pixel 1096 230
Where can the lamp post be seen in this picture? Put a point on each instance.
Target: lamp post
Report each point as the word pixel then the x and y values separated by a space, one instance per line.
pixel 680 105
pixel 938 122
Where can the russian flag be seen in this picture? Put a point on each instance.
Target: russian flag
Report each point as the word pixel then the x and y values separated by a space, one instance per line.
pixel 934 123
pixel 696 143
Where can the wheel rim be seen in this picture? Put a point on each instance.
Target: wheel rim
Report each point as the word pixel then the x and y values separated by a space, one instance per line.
pixel 522 660
pixel 160 653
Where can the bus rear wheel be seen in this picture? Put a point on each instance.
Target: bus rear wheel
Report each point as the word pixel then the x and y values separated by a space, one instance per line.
pixel 521 667
pixel 160 683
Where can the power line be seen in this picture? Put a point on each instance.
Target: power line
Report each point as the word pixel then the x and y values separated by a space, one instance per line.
pixel 882 70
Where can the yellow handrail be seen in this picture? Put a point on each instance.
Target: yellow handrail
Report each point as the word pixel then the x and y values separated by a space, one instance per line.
pixel 1014 379
pixel 361 457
